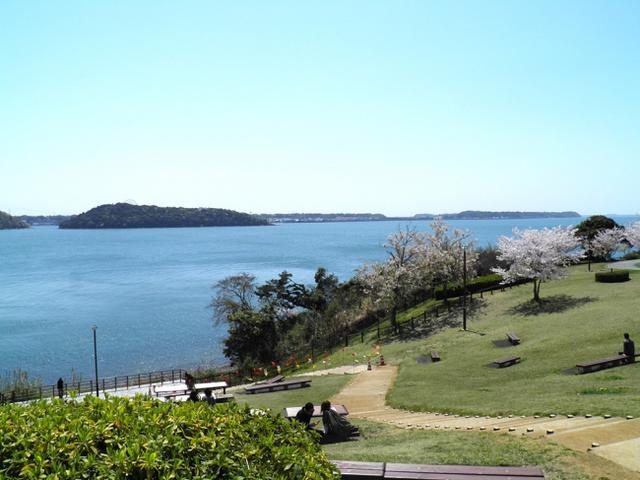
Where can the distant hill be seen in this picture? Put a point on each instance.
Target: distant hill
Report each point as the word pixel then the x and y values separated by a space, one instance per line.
pixel 478 215
pixel 8 222
pixel 36 220
pixel 125 215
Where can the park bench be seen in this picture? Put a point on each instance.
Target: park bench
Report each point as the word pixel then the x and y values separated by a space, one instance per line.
pixel 276 379
pixel 513 338
pixel 290 412
pixel 284 385
pixel 379 470
pixel 507 362
pixel 614 361
pixel 435 356
pixel 224 398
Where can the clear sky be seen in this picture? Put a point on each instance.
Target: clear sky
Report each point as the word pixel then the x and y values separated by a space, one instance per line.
pixel 396 107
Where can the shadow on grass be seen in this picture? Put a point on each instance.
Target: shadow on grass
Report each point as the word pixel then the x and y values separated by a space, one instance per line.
pixel 554 304
pixel 447 319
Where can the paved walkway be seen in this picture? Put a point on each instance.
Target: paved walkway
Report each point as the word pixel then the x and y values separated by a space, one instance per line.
pixel 625 265
pixel 617 439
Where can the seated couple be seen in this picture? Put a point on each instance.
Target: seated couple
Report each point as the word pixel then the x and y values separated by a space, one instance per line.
pixel 335 427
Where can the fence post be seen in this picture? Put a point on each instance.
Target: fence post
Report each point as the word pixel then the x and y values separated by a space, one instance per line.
pixel 91 385
pixel 424 316
pixel 437 311
pixel 413 327
pixel 481 294
pixel 149 378
pixel 115 384
pixel 362 335
pixel 346 340
pixel 53 391
pixel 127 382
pixel 103 385
pixel 40 392
pixel 172 377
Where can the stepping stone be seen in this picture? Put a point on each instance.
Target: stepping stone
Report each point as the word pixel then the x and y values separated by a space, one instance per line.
pixel 588 415
pixel 529 430
pixel 512 429
pixel 536 416
pixel 495 429
pixel 469 427
pixel 553 415
pixel 569 416
pixel 629 417
pixel 550 431
pixel 482 428
pixel 607 416
pixel 595 445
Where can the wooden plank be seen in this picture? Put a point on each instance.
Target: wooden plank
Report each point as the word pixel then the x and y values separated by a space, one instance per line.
pixel 290 412
pixel 454 476
pixel 435 356
pixel 465 469
pixel 276 379
pixel 278 386
pixel 506 362
pixel 513 338
pixel 360 470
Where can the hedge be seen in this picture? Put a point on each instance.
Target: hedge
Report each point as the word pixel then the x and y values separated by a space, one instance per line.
pixel 141 438
pixel 613 276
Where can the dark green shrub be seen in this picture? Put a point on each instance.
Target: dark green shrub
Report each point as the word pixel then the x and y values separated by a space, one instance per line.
pixel 141 438
pixel 635 255
pixel 613 276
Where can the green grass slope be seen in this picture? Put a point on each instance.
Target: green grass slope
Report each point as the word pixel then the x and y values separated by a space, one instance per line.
pixel 580 320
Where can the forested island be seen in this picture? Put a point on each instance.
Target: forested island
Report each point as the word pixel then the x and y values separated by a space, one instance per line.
pixel 378 217
pixel 125 215
pixel 7 222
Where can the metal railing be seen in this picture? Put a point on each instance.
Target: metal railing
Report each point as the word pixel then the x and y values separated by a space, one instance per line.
pixel 120 382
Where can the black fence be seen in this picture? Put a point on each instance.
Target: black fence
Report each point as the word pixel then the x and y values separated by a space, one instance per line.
pixel 122 382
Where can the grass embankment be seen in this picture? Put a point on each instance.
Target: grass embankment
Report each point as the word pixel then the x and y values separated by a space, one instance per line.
pixel 578 320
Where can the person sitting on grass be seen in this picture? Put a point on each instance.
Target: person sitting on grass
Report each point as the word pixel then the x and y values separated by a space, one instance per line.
pixel 305 414
pixel 628 349
pixel 336 427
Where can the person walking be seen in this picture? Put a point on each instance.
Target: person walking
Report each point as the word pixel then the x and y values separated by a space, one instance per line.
pixel 60 385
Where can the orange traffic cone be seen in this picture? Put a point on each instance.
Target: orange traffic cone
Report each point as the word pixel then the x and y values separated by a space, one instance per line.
pixel 381 361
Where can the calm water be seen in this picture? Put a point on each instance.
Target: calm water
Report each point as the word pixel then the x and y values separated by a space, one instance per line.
pixel 148 290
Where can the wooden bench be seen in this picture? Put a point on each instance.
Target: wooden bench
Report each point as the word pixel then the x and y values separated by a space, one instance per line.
pixel 284 385
pixel 224 398
pixel 614 361
pixel 276 379
pixel 507 362
pixel 435 356
pixel 290 412
pixel 513 338
pixel 379 470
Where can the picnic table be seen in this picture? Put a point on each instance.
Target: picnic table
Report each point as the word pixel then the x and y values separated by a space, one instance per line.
pixel 380 470
pixel 198 387
pixel 513 338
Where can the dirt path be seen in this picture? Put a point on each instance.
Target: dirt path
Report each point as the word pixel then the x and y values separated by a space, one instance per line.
pixel 616 439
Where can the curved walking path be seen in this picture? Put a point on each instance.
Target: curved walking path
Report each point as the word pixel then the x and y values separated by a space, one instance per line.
pixel 625 265
pixel 618 438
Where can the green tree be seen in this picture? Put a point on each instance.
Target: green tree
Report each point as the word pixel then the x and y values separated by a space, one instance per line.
pixel 587 230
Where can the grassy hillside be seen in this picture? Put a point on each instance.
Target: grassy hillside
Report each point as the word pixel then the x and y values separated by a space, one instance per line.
pixel 579 320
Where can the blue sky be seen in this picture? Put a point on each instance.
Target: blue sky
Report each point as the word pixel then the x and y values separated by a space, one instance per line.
pixel 396 107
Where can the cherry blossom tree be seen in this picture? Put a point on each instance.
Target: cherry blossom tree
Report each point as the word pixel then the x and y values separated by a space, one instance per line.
pixel 416 260
pixel 606 242
pixel 390 282
pixel 538 255
pixel 632 234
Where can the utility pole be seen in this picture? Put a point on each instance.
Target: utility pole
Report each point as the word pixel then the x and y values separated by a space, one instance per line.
pixel 95 358
pixel 464 288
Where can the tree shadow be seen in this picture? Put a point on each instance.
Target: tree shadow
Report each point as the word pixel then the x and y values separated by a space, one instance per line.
pixel 446 319
pixel 553 304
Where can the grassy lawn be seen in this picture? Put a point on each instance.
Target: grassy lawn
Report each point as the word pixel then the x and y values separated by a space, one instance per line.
pixel 580 320
pixel 387 443
pixel 322 388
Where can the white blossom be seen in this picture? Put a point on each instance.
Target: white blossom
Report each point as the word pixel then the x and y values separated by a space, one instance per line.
pixel 606 242
pixel 538 255
pixel 632 234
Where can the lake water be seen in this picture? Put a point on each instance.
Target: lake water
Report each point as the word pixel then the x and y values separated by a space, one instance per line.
pixel 147 290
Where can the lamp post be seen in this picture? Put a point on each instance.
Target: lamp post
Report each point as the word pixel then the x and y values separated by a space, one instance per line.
pixel 95 358
pixel 464 288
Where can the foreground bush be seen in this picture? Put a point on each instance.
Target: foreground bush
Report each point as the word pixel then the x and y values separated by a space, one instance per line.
pixel 612 277
pixel 120 438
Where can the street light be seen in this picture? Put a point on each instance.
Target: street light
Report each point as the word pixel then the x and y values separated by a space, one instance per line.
pixel 95 358
pixel 464 288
